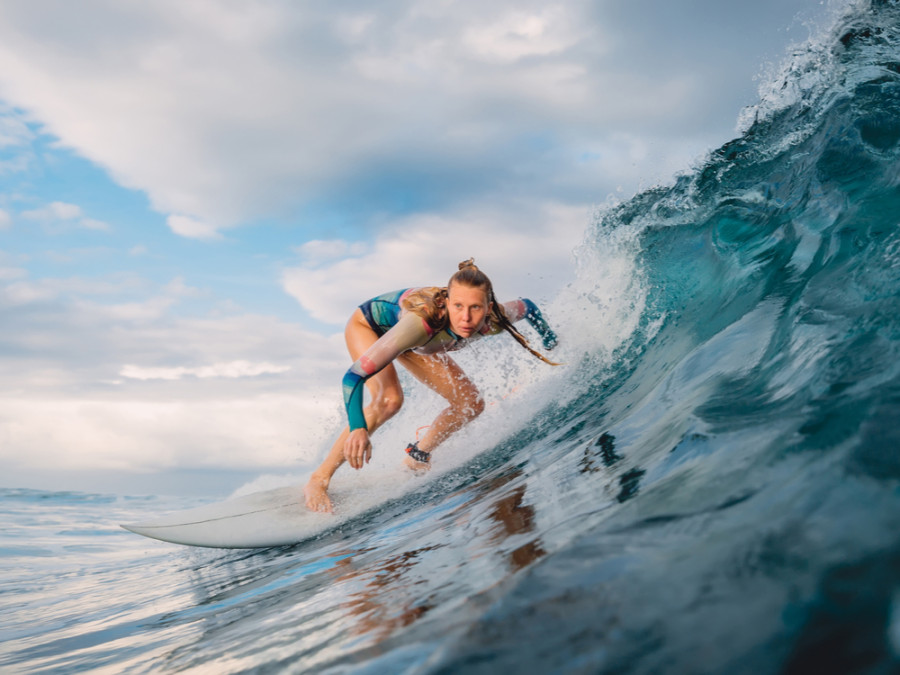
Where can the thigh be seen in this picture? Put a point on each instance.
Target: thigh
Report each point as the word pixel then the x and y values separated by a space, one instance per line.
pixel 441 374
pixel 359 337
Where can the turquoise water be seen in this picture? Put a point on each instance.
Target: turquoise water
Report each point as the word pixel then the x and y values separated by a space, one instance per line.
pixel 715 490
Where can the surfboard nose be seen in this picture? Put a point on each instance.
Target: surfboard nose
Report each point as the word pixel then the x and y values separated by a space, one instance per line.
pixel 263 519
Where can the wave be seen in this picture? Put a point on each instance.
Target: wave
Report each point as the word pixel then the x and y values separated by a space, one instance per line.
pixel 733 461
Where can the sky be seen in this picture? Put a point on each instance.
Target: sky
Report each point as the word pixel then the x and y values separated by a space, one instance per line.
pixel 194 196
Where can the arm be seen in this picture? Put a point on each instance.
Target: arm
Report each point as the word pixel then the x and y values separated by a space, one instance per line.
pixel 409 332
pixel 526 309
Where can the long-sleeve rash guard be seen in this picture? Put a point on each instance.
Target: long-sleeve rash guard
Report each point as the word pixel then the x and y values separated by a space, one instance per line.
pixel 401 331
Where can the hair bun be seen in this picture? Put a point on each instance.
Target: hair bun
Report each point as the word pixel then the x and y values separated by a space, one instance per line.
pixel 468 263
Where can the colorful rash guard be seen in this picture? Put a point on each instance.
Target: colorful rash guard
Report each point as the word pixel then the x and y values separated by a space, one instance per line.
pixel 400 331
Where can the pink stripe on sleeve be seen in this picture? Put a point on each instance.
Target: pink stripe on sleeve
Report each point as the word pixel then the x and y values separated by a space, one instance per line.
pixel 367 364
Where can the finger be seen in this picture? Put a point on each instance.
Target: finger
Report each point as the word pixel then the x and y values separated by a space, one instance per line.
pixel 349 455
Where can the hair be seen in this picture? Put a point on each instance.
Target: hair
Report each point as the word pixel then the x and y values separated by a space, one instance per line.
pixel 431 304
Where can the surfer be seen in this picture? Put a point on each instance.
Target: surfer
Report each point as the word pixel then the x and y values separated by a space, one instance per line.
pixel 417 327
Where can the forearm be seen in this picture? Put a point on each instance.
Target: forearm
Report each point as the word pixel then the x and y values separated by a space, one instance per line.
pixel 537 321
pixel 353 386
pixel 528 310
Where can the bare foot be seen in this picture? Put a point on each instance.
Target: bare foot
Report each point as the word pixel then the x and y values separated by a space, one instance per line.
pixel 316 492
pixel 417 468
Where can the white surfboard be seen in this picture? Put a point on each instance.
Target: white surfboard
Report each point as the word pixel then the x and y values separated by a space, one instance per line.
pixel 271 518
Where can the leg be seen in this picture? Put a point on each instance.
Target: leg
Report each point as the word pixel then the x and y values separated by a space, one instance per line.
pixel 441 374
pixel 386 399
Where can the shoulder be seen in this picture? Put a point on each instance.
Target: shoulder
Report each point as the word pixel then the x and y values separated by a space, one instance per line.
pixel 411 329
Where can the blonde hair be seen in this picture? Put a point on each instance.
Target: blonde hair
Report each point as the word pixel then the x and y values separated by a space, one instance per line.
pixel 431 304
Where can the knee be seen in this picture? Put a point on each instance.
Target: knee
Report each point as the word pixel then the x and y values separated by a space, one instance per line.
pixel 472 406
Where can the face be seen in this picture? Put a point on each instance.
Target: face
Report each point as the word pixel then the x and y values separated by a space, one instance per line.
pixel 468 309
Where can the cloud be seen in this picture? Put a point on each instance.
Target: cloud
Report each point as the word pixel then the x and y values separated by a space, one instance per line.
pixel 93 382
pixel 14 132
pixel 319 250
pixel 192 228
pixel 54 211
pixel 82 294
pixel 5 220
pixel 26 292
pixel 94 224
pixel 9 273
pixel 57 213
pixel 236 112
pixel 232 369
pixel 134 435
pixel 518 34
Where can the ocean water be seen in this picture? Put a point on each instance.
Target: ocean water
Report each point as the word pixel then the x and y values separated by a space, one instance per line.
pixel 711 484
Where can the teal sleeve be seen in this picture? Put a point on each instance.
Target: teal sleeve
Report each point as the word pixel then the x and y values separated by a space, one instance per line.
pixel 534 317
pixel 353 399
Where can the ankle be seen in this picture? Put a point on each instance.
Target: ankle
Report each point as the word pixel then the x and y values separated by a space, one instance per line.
pixel 320 479
pixel 419 455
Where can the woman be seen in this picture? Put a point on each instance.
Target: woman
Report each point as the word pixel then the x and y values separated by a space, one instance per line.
pixel 417 327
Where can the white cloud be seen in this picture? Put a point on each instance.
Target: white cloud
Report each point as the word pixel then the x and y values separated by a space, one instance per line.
pixel 82 293
pixel 517 34
pixel 231 369
pixel 13 130
pixel 319 250
pixel 10 273
pixel 192 228
pixel 130 434
pixel 233 391
pixel 94 224
pixel 27 292
pixel 57 213
pixel 5 220
pixel 54 211
pixel 232 113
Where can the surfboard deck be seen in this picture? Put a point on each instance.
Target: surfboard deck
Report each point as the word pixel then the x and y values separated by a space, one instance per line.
pixel 270 518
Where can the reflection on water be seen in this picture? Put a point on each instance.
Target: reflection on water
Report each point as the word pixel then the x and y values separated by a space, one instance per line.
pixel 392 593
pixel 629 482
pixel 385 580
pixel 602 451
pixel 603 454
pixel 514 517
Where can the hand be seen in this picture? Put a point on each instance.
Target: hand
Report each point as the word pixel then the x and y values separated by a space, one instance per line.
pixel 358 448
pixel 550 340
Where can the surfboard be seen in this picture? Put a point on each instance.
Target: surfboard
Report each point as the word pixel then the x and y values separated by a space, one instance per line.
pixel 270 518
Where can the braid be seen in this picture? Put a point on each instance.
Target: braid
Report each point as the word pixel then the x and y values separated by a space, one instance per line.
pixel 498 316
